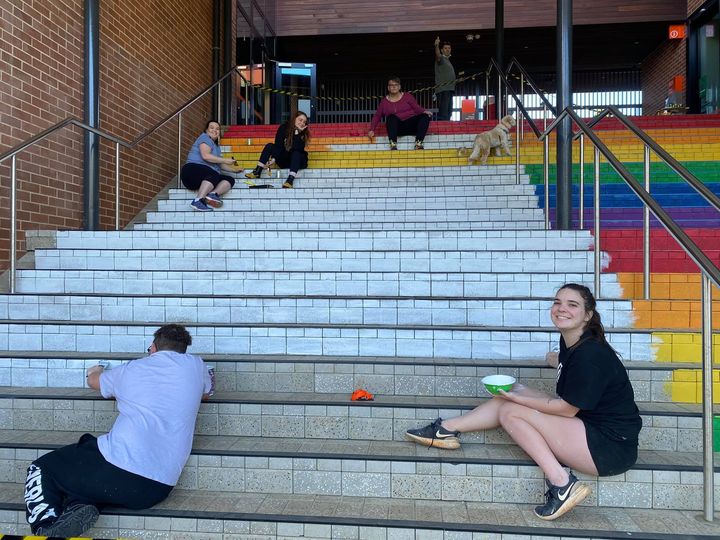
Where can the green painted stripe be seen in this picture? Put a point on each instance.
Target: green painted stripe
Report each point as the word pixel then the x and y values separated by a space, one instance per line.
pixel 706 171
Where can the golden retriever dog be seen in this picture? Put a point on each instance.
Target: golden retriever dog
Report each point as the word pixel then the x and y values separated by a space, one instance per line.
pixel 497 138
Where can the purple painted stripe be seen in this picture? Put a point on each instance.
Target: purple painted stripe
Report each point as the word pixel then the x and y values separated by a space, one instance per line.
pixel 632 218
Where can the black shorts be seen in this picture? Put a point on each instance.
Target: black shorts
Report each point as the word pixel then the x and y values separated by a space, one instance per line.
pixel 611 457
pixel 193 174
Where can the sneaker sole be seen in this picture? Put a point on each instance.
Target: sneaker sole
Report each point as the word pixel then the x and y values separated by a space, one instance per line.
pixel 201 209
pixel 451 443
pixel 578 495
pixel 74 526
pixel 213 203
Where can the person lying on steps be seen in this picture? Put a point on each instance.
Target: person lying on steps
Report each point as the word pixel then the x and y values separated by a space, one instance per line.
pixel 135 465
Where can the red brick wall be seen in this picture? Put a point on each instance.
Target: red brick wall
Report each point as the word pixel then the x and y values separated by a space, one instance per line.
pixel 154 55
pixel 41 43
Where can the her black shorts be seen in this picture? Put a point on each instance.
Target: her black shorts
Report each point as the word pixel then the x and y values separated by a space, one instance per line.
pixel 192 175
pixel 611 457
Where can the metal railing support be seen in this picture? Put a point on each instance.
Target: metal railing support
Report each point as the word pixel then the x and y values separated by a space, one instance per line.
pixel 486 115
pixel 546 179
pixel 13 222
pixel 596 219
pixel 646 226
pixel 582 181
pixel 219 104
pixel 707 404
pixel 522 100
pixel 179 147
pixel 517 159
pixel 117 186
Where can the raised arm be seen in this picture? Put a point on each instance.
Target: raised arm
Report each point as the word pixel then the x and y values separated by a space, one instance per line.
pixel 438 54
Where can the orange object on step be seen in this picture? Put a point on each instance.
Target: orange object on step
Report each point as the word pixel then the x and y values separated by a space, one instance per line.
pixel 361 395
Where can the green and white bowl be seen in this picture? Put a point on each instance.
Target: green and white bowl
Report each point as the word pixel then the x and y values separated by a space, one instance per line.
pixel 495 383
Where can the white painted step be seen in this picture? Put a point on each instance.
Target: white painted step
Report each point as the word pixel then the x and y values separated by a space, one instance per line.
pixel 316 260
pixel 208 283
pixel 498 343
pixel 349 204
pixel 492 218
pixel 387 191
pixel 292 310
pixel 212 226
pixel 327 240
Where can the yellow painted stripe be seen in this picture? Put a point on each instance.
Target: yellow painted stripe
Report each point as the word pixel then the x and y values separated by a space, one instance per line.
pixel 686 386
pixel 676 347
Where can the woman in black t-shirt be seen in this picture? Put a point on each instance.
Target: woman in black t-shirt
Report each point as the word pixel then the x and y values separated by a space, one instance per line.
pixel 591 425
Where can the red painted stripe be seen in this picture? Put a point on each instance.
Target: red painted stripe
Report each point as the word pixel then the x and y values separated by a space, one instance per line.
pixel 475 126
pixel 625 249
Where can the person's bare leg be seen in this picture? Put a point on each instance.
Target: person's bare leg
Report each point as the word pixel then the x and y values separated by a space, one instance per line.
pixel 549 440
pixel 223 187
pixel 205 188
pixel 485 416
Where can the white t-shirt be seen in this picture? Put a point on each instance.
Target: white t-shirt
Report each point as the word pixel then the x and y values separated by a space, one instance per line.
pixel 158 398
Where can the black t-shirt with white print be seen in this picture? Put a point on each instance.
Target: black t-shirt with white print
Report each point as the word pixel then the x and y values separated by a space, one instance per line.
pixel 591 377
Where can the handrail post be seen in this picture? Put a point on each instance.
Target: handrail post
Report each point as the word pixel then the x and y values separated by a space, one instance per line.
pixel 546 179
pixel 596 218
pixel 544 117
pixel 179 156
pixel 646 227
pixel 219 90
pixel 117 186
pixel 13 222
pixel 487 97
pixel 517 155
pixel 707 404
pixel 247 103
pixel 522 100
pixel 582 181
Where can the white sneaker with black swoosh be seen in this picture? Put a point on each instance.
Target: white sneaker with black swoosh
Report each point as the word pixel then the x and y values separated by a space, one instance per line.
pixel 560 500
pixel 435 435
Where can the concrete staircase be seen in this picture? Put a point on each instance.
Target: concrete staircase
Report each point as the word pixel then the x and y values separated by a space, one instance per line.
pixel 412 282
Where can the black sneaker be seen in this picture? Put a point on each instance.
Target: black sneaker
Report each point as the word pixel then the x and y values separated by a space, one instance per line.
pixel 561 499
pixel 435 435
pixel 393 145
pixel 74 521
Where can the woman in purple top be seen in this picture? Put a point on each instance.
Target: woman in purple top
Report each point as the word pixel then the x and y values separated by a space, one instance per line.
pixel 403 116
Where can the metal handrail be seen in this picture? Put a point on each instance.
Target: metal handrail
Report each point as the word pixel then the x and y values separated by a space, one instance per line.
pixel 702 260
pixel 12 153
pixel 518 102
pixel 529 80
pixel 670 161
